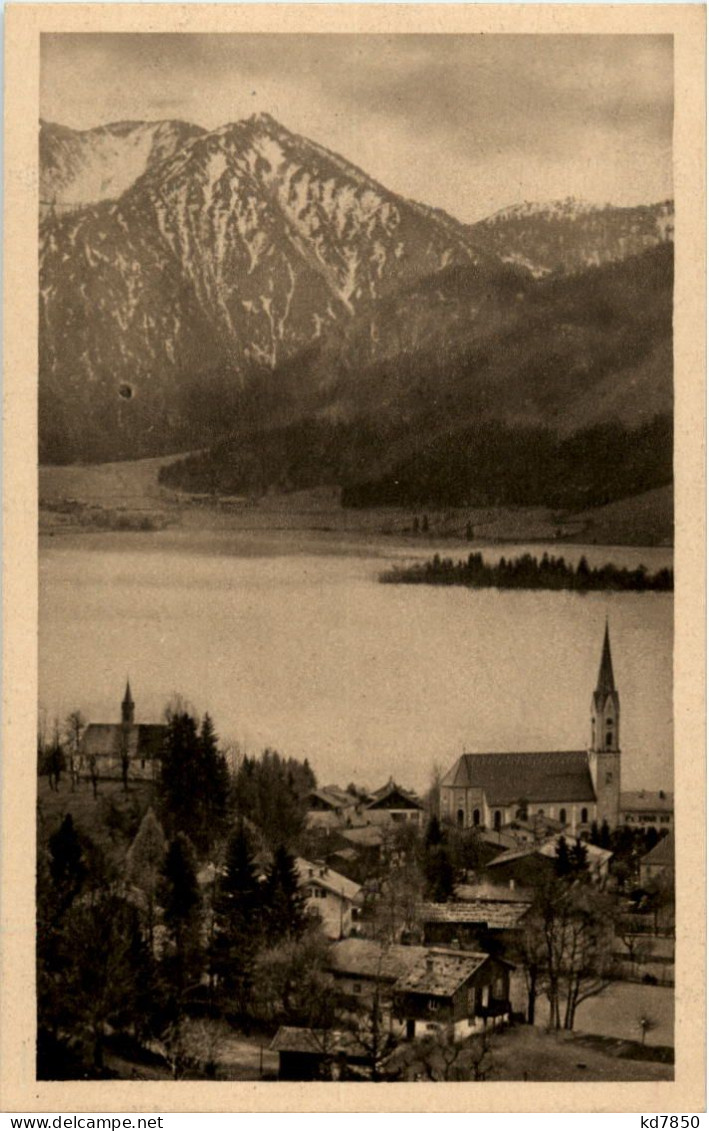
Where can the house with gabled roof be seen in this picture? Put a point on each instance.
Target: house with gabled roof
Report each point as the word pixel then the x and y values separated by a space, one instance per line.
pixel 332 896
pixel 572 787
pixel 394 803
pixel 457 991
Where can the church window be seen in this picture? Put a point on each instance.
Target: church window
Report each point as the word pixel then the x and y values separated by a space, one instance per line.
pixel 609 722
pixel 498 820
pixel 562 816
pixel 476 817
pixel 461 818
pixel 609 738
pixel 584 816
pixel 609 777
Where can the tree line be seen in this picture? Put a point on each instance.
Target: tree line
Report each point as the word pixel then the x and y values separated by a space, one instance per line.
pixel 530 572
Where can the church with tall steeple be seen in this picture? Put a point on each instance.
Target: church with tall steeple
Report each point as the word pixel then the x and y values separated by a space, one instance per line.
pixel 123 750
pixel 571 787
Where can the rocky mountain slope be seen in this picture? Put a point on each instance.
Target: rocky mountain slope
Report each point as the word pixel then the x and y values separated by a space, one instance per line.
pixel 569 235
pixel 195 283
pixel 476 388
pixel 80 167
pixel 242 246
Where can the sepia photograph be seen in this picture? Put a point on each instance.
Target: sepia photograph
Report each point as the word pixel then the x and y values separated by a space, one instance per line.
pixel 355 424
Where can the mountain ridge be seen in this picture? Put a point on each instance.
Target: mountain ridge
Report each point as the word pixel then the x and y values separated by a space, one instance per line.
pixel 249 270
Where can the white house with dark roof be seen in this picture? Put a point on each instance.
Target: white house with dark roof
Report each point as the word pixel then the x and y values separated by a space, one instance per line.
pixel 332 896
pixel 573 787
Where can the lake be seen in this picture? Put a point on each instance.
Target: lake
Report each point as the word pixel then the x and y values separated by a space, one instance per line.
pixel 294 644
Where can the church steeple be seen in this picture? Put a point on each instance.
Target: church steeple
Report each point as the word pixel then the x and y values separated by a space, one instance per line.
pixel 605 704
pixel 127 707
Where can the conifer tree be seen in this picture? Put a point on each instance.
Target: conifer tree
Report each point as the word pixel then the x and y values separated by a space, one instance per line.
pixel 238 920
pixel 285 902
pixel 563 861
pixel 67 864
pixel 181 900
pixel 144 863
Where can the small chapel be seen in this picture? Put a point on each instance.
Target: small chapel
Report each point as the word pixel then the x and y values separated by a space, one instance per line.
pixel 571 787
pixel 126 745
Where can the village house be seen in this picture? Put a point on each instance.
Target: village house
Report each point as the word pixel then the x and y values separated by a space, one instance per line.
pixel 455 991
pixel 659 863
pixel 393 804
pixel 364 968
pixel 524 867
pixel 317 1054
pixel 335 898
pixel 573 787
pixel 644 809
pixel 487 925
pixel 124 750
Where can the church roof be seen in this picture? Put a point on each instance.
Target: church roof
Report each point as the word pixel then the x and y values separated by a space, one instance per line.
pixel 145 740
pixel 541 776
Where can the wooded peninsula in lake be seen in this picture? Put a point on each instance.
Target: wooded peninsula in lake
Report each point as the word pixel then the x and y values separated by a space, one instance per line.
pixel 529 572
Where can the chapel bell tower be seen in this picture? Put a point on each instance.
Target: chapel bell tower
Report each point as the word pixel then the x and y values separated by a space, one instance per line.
pixel 127 708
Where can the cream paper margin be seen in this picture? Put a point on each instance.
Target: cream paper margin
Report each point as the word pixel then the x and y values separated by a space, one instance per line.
pixel 19 1091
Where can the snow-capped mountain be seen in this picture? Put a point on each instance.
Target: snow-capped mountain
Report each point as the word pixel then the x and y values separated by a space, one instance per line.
pixel 569 235
pixel 79 167
pixel 179 267
pixel 240 247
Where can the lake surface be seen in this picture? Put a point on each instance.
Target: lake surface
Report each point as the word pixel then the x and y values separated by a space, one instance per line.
pixel 300 648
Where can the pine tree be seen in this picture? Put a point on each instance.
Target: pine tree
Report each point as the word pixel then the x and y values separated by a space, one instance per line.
pixel 181 901
pixel 214 783
pixel 238 920
pixel 144 863
pixel 67 864
pixel 563 860
pixel 285 902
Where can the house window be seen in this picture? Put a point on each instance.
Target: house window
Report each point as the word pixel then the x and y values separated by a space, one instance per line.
pixel 476 817
pixel 562 816
pixel 356 988
pixel 498 820
pixel 584 816
pixel 433 1005
pixel 540 812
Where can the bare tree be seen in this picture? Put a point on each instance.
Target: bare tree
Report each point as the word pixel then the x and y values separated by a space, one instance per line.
pixel 74 726
pixel 568 945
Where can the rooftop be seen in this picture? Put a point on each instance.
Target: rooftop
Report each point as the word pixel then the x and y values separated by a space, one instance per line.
pixel 106 739
pixel 663 854
pixel 493 916
pixel 547 776
pixel 646 800
pixel 326 878
pixel 441 972
pixel 366 958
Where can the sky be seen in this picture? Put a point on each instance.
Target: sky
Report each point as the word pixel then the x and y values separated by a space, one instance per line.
pixel 468 123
